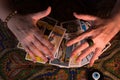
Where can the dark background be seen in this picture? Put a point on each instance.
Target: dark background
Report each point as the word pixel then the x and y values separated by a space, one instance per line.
pixel 62 10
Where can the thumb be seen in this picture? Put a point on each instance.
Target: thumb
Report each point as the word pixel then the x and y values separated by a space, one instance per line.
pixel 40 15
pixel 85 17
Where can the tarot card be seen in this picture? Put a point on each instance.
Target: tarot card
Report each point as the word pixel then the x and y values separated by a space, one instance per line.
pixel 27 57
pixel 84 27
pixel 72 27
pixel 56 36
pixel 88 23
pixel 63 56
pixel 19 45
pixel 50 20
pixel 46 25
pixel 56 54
pixel 106 47
pixel 60 56
pixel 38 59
pixel 86 60
pixel 73 62
pixel 61 49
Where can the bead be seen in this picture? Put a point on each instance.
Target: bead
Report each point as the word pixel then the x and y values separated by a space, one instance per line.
pixel 9 17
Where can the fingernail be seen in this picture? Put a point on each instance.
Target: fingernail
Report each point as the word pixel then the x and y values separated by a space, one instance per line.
pixel 45 59
pixel 77 61
pixel 34 61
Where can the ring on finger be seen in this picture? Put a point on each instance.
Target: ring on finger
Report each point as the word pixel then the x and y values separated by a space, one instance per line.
pixel 90 41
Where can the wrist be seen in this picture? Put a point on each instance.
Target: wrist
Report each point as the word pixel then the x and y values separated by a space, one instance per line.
pixel 110 36
pixel 110 30
pixel 116 19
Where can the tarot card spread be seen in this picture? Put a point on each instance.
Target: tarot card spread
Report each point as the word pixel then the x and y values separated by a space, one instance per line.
pixel 59 36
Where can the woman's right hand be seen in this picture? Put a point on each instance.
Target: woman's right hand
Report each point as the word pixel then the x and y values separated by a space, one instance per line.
pixel 32 40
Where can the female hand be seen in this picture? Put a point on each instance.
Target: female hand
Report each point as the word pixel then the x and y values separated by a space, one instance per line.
pixel 34 43
pixel 105 31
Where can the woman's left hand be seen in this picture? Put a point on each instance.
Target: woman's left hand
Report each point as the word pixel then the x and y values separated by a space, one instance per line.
pixel 105 31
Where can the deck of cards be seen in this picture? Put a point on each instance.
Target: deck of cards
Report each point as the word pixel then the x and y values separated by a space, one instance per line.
pixel 59 36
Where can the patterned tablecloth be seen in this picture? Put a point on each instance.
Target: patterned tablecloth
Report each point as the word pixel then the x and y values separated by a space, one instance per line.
pixel 13 65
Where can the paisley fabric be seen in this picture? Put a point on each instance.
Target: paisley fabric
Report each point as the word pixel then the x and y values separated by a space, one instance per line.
pixel 13 65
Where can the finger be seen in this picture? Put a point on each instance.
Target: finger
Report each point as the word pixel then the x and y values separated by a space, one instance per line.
pixel 86 52
pixel 81 37
pixel 85 17
pixel 36 52
pixel 79 49
pixel 42 14
pixel 30 53
pixel 43 48
pixel 43 40
pixel 95 56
